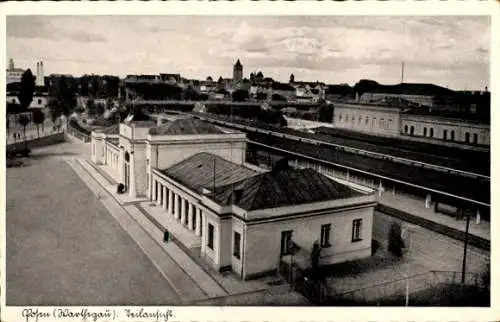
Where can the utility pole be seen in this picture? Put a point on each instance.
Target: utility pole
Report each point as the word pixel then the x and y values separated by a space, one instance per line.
pixel 464 263
pixel 402 72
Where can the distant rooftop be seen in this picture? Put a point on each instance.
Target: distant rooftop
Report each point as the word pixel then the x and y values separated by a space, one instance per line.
pixel 186 126
pixel 205 170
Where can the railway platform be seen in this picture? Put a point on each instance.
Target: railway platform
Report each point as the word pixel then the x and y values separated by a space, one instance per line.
pixel 416 206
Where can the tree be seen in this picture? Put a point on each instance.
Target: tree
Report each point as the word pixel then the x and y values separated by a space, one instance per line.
pixel 396 243
pixel 38 118
pixel 55 109
pixel 99 109
pixel 91 107
pixel 27 87
pixel 24 120
pixel 325 112
pixel 315 256
pixel 240 95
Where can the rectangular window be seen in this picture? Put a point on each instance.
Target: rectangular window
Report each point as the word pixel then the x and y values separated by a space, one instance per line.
pixel 356 229
pixel 325 235
pixel 236 246
pixel 286 242
pixel 210 237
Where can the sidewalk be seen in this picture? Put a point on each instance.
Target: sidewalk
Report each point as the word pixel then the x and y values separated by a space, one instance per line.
pixel 416 206
pixel 182 283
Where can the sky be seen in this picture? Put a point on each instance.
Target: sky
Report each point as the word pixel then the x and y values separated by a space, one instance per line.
pixel 451 51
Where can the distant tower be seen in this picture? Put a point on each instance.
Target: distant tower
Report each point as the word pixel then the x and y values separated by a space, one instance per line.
pixel 11 64
pixel 40 78
pixel 292 79
pixel 237 71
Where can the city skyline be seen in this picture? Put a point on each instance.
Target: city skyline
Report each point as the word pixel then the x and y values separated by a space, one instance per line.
pixel 450 51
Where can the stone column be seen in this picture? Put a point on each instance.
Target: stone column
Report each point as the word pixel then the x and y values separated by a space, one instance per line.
pixel 159 188
pixel 177 201
pixel 428 201
pixel 380 189
pixel 198 222
pixel 478 217
pixel 393 190
pixel 153 190
pixel 183 211
pixel 170 201
pixel 165 196
pixel 190 216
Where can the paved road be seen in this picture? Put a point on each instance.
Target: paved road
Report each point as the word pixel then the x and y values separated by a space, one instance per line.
pixel 64 248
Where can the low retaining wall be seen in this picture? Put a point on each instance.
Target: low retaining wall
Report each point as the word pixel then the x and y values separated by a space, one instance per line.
pixel 38 142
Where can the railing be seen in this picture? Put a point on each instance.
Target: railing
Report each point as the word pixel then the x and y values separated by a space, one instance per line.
pixel 395 291
pixel 31 136
pixel 79 135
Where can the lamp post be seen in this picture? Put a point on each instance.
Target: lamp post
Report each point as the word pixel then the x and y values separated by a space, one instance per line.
pixel 409 230
pixel 466 242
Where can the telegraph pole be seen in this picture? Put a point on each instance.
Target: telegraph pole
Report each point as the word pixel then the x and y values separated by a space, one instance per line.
pixel 464 262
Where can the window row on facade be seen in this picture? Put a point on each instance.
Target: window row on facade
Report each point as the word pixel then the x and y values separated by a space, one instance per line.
pixel 447 136
pixel 287 244
pixel 382 122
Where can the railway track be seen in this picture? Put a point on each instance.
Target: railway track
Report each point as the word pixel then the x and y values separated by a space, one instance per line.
pixel 387 153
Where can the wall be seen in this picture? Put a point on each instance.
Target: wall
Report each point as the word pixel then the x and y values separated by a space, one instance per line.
pixel 300 123
pixel 263 241
pixel 368 119
pixel 439 125
pixel 40 142
pixel 212 256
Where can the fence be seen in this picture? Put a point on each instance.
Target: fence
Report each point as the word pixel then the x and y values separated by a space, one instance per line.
pixel 301 281
pixel 394 292
pixel 79 135
pixel 35 142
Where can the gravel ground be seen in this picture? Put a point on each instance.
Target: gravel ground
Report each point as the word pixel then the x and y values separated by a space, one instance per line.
pixel 64 248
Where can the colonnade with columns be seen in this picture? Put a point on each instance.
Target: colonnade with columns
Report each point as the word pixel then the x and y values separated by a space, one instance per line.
pixel 182 209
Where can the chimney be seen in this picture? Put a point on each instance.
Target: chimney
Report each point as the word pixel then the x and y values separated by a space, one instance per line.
pixel 11 63
pixel 281 165
pixel 236 195
pixel 40 78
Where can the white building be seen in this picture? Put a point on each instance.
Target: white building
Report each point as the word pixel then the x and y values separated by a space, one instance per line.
pixel 246 221
pixel 13 74
pixel 378 120
pixel 444 129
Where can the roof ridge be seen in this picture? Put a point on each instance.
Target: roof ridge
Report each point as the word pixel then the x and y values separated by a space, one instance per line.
pixel 260 177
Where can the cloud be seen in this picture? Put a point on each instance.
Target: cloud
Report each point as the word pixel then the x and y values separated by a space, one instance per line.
pixel 315 47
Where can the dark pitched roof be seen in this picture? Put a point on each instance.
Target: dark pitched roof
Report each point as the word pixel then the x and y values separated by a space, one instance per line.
pixel 238 63
pixel 185 126
pixel 283 188
pixel 197 172
pixel 411 89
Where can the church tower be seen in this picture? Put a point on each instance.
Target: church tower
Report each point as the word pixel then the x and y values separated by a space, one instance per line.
pixel 237 71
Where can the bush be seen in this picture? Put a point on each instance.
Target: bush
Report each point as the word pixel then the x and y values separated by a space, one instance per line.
pixel 121 188
pixel 396 243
